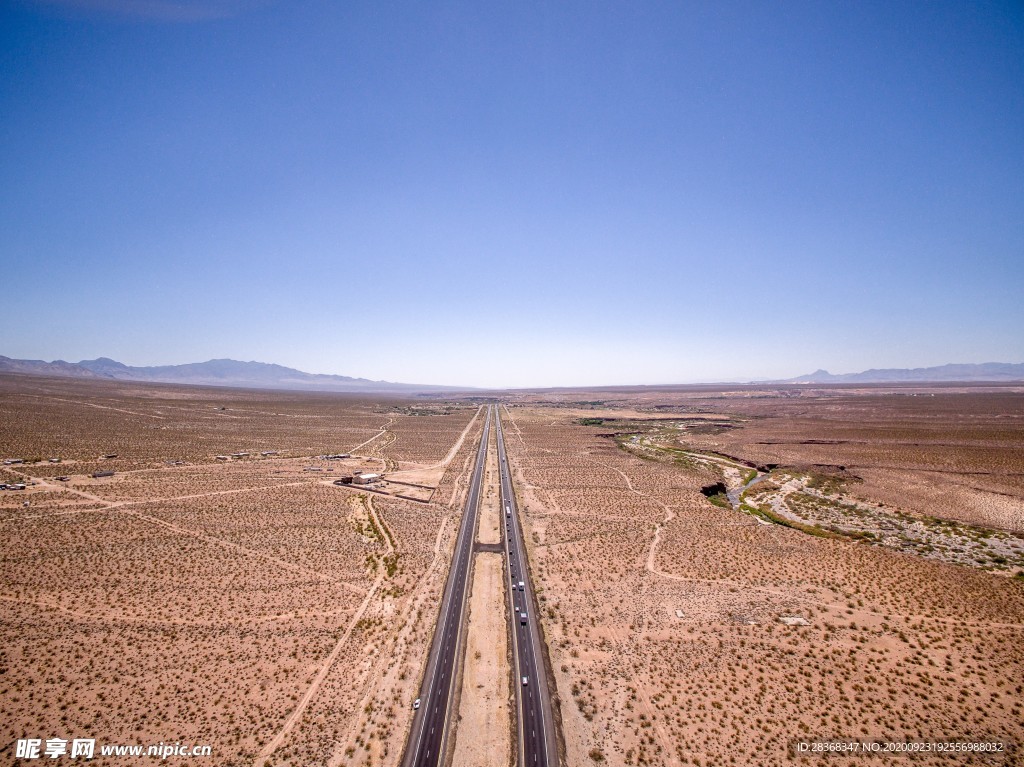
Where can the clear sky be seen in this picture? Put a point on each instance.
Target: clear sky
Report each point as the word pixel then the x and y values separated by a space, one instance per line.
pixel 514 194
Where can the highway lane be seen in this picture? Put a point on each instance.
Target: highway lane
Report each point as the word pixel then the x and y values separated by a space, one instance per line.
pixel 536 745
pixel 428 736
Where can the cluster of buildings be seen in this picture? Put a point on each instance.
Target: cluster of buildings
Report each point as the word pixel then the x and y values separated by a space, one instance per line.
pixel 359 478
pixel 12 485
pixel 244 454
pixel 363 478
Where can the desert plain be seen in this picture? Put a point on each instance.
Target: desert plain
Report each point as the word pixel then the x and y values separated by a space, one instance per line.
pixel 249 603
pixel 721 573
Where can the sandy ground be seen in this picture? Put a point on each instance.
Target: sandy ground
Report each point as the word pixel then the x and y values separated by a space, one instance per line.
pixel 489 530
pixel 430 476
pixel 682 633
pixel 247 604
pixel 482 738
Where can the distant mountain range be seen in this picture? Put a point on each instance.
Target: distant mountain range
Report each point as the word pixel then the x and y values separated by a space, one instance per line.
pixel 986 371
pixel 224 372
pixel 261 375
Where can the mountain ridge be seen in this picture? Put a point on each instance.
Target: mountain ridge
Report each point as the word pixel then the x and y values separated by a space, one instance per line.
pixel 951 372
pixel 215 372
pixel 267 375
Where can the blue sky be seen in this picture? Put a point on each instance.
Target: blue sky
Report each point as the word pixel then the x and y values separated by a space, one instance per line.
pixel 516 194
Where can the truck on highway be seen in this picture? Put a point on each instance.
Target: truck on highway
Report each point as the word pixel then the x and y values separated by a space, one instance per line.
pixel 521 585
pixel 522 619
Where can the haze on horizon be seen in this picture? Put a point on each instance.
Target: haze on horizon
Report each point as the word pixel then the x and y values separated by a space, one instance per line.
pixel 531 195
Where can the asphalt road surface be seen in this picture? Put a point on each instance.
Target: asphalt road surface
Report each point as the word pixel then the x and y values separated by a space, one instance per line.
pixel 428 737
pixel 536 740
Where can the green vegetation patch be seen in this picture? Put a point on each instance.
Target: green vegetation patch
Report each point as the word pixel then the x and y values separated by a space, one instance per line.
pixel 770 516
pixel 721 500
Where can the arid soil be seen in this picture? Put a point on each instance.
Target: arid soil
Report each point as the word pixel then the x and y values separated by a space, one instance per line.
pixel 484 726
pixel 943 451
pixel 489 524
pixel 245 602
pixel 822 501
pixel 219 589
pixel 682 632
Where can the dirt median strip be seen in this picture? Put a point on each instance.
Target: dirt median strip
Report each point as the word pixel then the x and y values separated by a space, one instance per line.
pixel 482 738
pixel 489 530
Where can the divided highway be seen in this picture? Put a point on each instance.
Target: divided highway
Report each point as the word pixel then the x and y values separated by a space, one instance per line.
pixel 429 734
pixel 536 743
